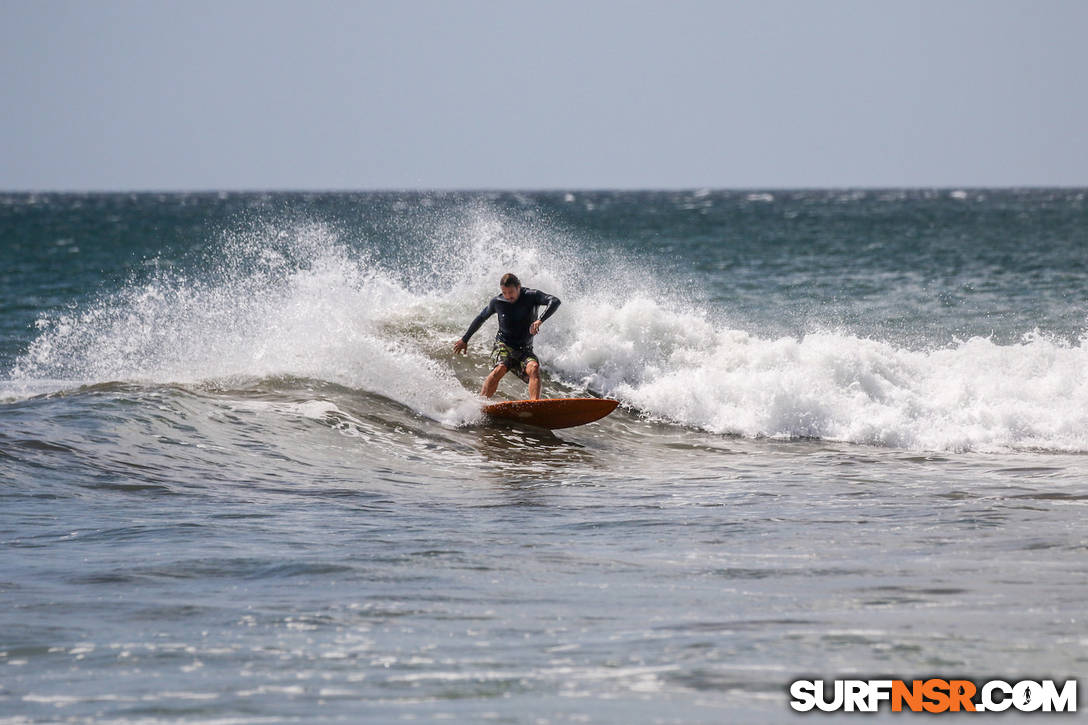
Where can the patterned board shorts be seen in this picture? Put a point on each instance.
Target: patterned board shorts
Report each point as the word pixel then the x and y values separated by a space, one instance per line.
pixel 515 359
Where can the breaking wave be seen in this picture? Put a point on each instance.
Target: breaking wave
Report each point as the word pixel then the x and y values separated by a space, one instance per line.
pixel 307 300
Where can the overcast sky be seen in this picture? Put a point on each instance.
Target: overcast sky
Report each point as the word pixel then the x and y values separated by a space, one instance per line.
pixel 277 94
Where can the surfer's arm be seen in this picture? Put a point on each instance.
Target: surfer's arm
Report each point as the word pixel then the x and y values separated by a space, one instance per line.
pixel 552 303
pixel 480 319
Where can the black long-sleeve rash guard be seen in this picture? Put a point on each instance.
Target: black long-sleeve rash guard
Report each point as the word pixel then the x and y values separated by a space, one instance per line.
pixel 515 317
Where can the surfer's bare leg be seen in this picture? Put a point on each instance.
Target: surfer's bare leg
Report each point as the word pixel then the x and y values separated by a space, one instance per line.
pixel 533 371
pixel 491 382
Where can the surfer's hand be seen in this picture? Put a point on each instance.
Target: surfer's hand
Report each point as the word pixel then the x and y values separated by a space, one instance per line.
pixel 460 347
pixel 534 328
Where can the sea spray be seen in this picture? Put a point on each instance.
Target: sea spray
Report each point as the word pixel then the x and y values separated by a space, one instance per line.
pixel 268 302
pixel 317 300
pixel 265 546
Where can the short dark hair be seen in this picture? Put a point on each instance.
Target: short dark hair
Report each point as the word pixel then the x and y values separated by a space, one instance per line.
pixel 509 280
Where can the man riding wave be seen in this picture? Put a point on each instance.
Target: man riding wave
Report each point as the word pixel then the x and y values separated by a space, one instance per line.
pixel 518 323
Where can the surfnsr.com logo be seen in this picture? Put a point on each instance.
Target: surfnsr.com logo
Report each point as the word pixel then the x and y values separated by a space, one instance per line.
pixel 933 695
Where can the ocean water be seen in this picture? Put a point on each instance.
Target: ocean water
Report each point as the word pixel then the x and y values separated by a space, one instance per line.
pixel 244 479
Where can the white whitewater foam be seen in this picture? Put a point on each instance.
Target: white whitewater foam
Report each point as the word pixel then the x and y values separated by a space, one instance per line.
pixel 671 362
pixel 297 301
pixel 278 304
pixel 970 395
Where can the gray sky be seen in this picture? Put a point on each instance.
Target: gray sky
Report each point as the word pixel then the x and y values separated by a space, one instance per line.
pixel 234 94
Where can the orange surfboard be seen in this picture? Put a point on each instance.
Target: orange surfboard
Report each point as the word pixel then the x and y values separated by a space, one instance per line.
pixel 553 412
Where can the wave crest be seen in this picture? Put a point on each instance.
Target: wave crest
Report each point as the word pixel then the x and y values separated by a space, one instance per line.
pixel 298 300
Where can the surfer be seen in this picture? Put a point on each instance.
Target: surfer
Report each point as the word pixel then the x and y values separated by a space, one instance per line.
pixel 518 322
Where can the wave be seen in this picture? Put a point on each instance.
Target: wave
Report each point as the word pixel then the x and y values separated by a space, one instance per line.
pixel 306 300
pixel 266 303
pixel 972 395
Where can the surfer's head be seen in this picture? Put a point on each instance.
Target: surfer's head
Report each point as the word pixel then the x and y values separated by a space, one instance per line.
pixel 511 287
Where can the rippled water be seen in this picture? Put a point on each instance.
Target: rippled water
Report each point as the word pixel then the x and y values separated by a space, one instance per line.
pixel 243 479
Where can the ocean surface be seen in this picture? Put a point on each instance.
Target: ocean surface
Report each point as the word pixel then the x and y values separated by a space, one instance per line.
pixel 245 480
